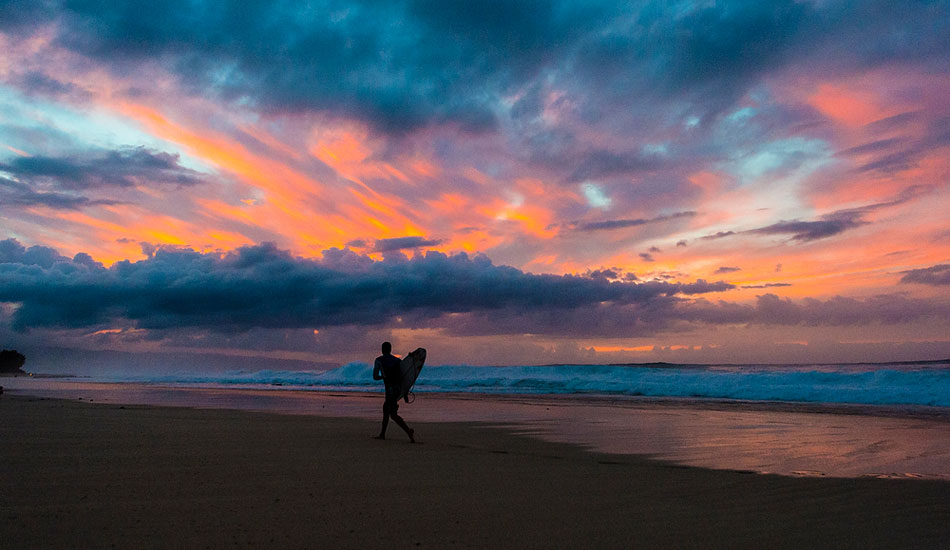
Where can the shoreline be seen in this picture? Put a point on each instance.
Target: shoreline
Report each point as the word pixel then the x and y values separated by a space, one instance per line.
pixel 888 410
pixel 94 475
pixel 781 439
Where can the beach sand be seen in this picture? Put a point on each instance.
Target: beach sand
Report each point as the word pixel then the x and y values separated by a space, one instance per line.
pixel 74 474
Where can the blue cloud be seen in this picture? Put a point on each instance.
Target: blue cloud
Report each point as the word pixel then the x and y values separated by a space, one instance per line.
pixel 262 286
pixel 403 64
pixel 90 169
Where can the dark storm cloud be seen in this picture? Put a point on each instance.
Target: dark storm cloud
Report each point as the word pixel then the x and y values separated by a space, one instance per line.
pixel 12 252
pixel 402 243
pixel 403 64
pixel 262 286
pixel 88 170
pixel 937 275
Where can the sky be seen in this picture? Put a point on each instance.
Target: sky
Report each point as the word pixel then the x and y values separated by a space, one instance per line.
pixel 521 182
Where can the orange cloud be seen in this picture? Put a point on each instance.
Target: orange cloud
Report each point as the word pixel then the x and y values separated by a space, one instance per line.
pixel 710 182
pixel 852 107
pixel 271 176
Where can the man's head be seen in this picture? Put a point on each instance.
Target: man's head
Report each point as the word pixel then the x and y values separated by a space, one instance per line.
pixel 387 348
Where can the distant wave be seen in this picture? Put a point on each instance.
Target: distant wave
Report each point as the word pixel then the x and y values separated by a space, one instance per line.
pixel 874 384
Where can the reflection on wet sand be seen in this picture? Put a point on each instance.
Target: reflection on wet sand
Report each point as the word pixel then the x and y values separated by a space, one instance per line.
pixel 806 440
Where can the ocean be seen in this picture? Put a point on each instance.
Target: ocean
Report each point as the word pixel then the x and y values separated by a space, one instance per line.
pixel 924 384
pixel 843 420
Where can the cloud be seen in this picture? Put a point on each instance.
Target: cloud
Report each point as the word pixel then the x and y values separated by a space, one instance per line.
pixel 812 230
pixel 666 313
pixel 701 286
pixel 396 65
pixel 262 286
pixel 828 225
pixel 768 285
pixel 39 83
pixel 405 64
pixel 871 147
pixel 15 15
pixel 891 155
pixel 937 275
pixel 16 194
pixel 12 252
pixel 603 163
pixel 66 182
pixel 402 243
pixel 770 309
pixel 94 169
pixel 604 274
pixel 718 235
pixel 836 222
pixel 625 223
pixel 726 269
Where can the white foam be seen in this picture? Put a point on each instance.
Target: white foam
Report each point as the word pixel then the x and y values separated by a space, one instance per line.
pixel 881 384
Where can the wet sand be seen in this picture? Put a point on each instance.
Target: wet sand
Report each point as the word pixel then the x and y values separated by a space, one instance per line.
pixel 103 475
pixel 799 439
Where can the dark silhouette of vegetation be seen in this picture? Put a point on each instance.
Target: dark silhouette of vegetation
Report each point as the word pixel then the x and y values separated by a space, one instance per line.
pixel 11 361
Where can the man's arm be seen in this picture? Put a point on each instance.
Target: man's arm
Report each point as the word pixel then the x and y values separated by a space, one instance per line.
pixel 378 370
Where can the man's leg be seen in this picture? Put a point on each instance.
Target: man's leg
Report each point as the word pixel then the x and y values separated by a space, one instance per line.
pixel 382 431
pixel 402 424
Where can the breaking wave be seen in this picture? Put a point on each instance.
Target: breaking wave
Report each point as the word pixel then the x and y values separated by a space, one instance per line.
pixel 925 384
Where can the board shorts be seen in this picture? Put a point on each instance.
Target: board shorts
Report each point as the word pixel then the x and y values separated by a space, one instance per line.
pixel 391 405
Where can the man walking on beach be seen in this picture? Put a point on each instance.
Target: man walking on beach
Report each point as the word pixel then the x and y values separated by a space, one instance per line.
pixel 386 368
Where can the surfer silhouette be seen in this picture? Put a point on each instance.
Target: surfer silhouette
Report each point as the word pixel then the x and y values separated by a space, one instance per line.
pixel 386 368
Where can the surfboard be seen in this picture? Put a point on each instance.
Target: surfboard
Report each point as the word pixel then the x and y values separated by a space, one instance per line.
pixel 409 367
